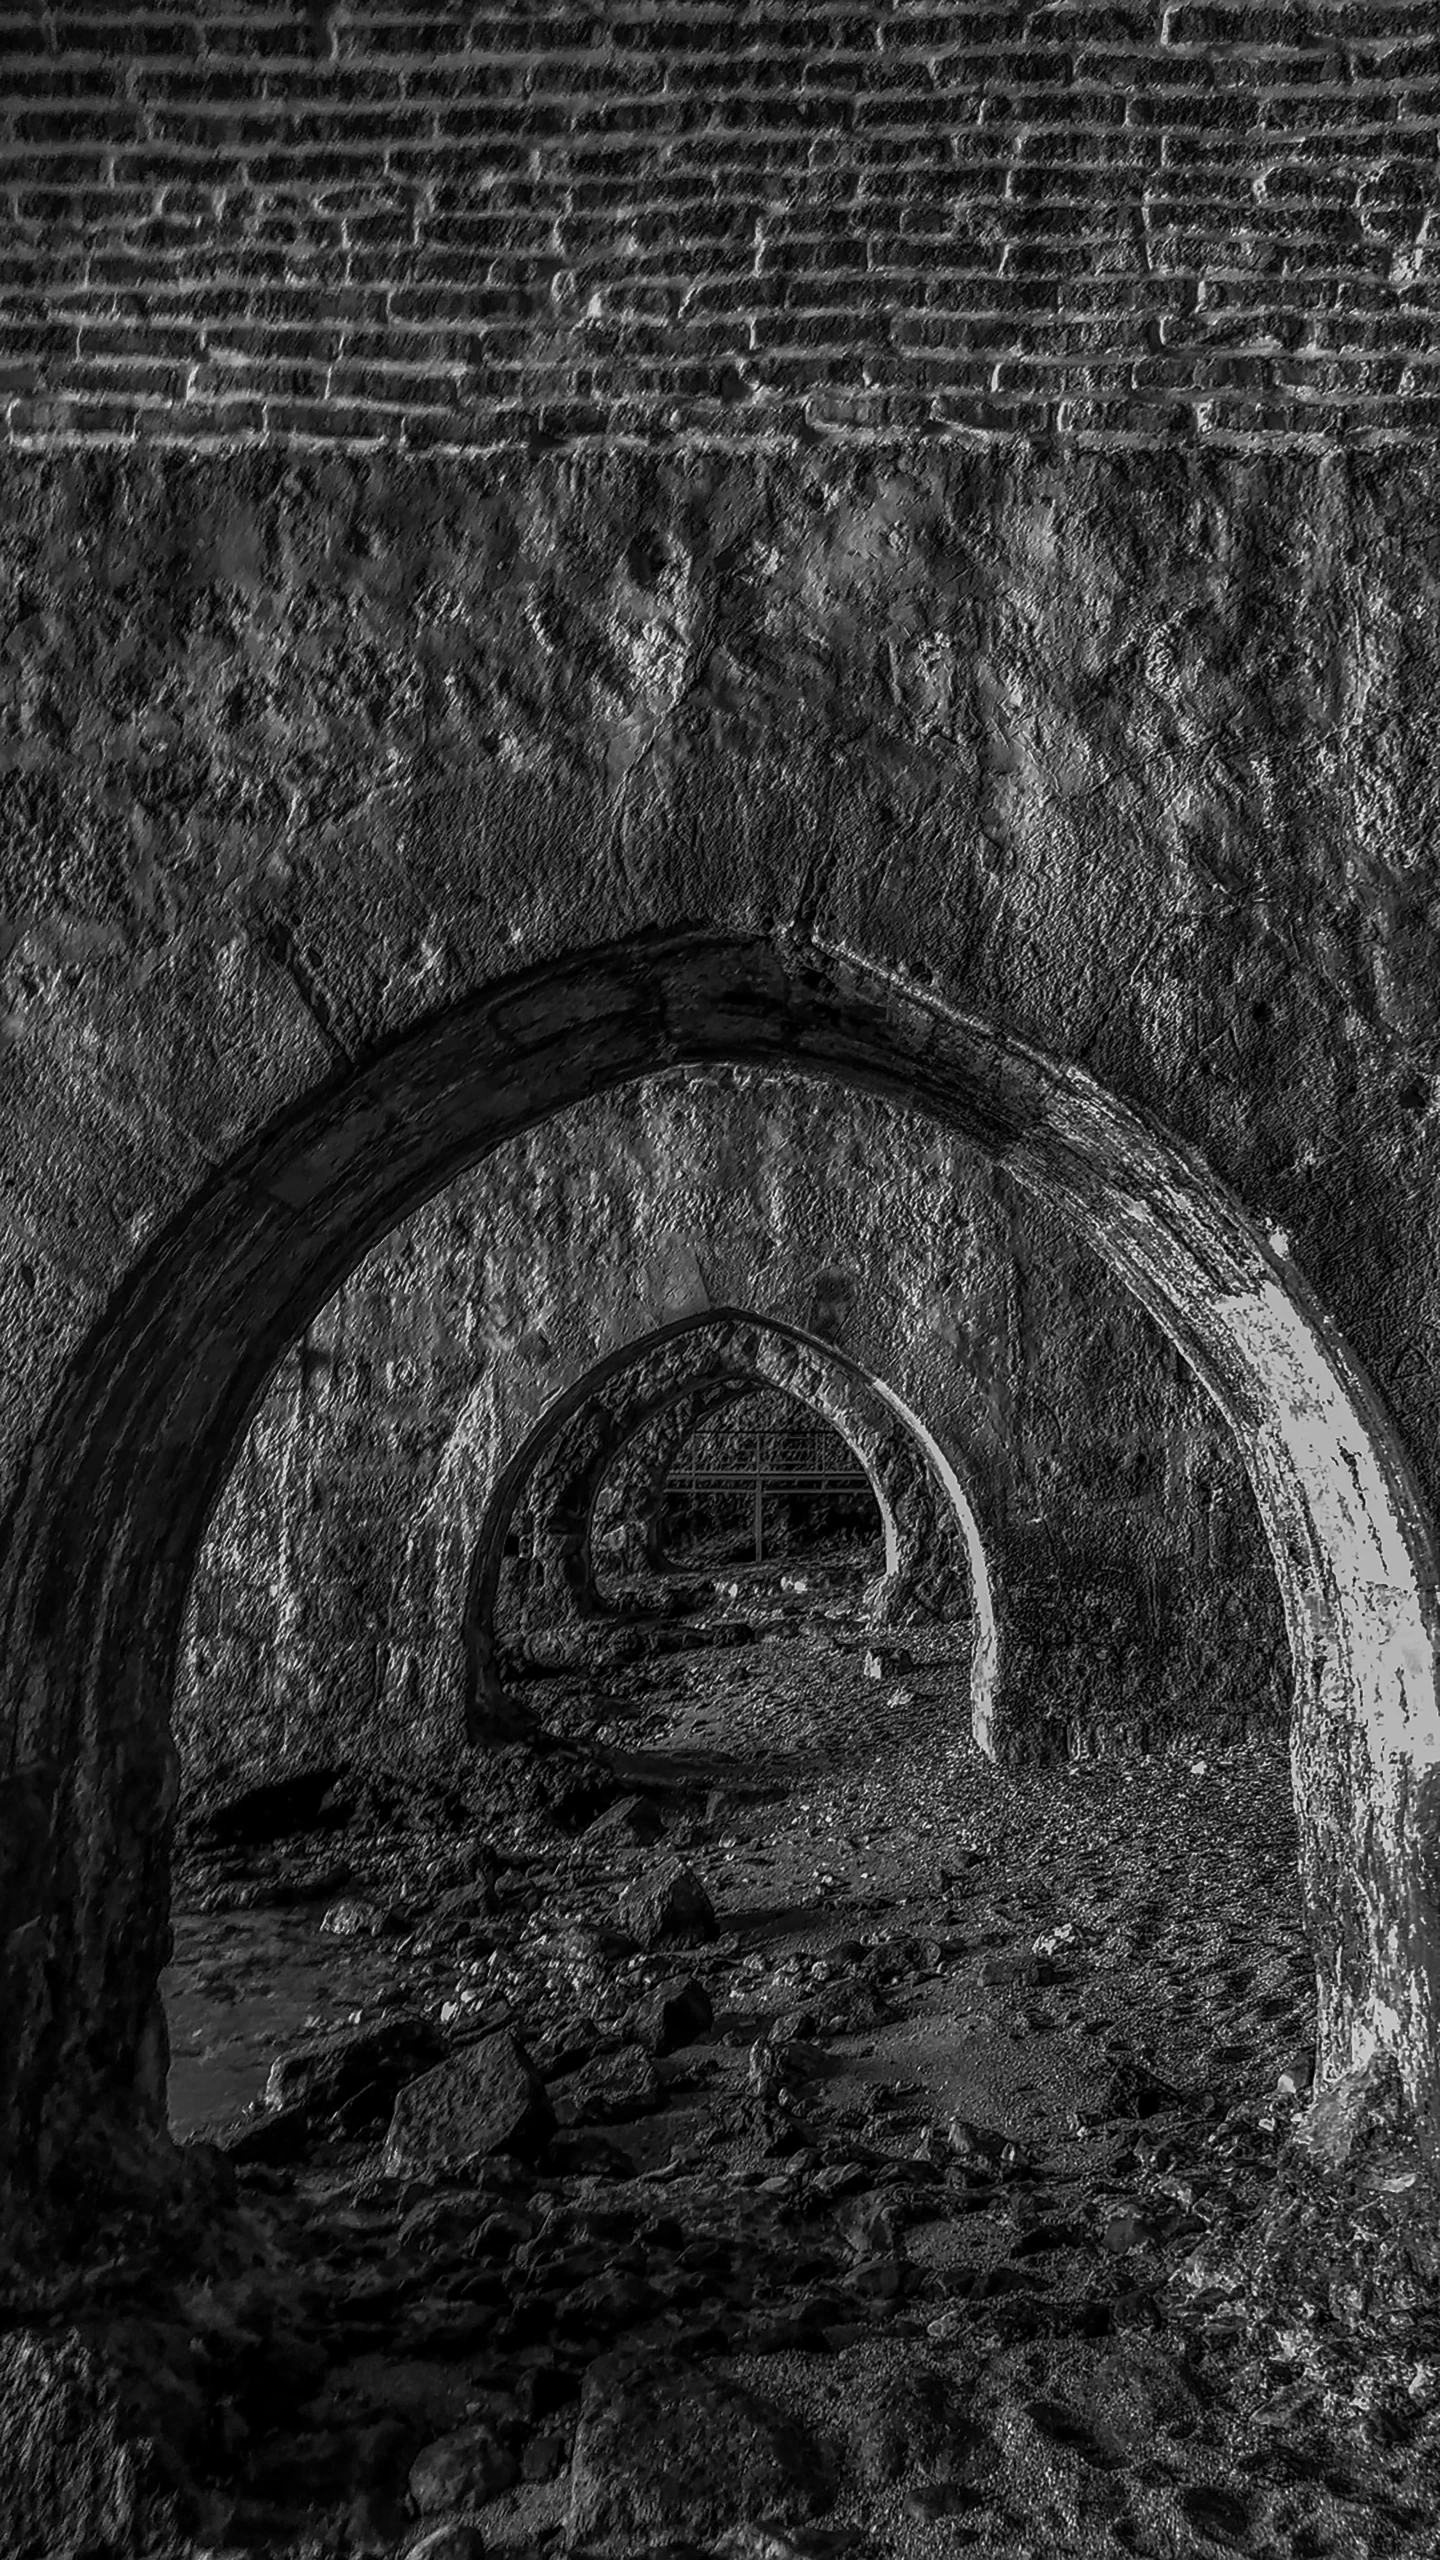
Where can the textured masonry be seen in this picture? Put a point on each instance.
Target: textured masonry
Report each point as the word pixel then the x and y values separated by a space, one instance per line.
pixel 1087 799
pixel 473 228
pixel 631 1498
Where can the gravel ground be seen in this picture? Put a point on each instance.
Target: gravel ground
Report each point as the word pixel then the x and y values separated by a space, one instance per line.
pixel 970 2220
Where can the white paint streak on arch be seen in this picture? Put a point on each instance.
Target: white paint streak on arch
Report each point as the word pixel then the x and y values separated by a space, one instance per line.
pixel 985 1652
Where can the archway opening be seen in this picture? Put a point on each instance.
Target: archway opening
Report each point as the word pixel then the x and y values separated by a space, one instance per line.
pixel 763 1482
pixel 532 1588
pixel 104 1534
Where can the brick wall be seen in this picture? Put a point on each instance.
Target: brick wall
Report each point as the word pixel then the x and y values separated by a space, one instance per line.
pixel 525 224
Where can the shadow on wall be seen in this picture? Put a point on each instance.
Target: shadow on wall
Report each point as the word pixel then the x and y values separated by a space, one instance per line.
pixel 932 1535
pixel 104 1534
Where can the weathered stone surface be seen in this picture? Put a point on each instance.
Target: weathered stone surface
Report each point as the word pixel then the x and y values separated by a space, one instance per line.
pixel 202 934
pixel 459 2539
pixel 486 2099
pixel 460 2470
pixel 334 2071
pixel 669 1907
pixel 72 2474
pixel 613 2089
pixel 674 2015
pixel 671 2448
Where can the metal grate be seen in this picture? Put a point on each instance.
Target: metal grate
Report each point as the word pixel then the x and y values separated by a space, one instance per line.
pixel 769 1459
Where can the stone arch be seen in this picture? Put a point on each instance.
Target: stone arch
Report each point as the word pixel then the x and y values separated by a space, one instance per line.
pixel 631 1495
pixel 104 1530
pixel 928 1519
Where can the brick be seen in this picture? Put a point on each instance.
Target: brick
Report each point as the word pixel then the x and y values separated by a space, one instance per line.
pixel 385 205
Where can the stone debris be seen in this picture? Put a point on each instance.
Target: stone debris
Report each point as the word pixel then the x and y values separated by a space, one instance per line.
pixel 669 1908
pixel 459 2538
pixel 672 2447
pixel 362 2069
pixel 354 1920
pixel 463 2469
pixel 612 2089
pixel 633 1818
pixel 490 2098
pixel 674 2015
pixel 876 2225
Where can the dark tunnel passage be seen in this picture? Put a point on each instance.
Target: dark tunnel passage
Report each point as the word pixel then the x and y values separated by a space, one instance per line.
pixel 815 1896
pixel 719 1157
pixel 761 1479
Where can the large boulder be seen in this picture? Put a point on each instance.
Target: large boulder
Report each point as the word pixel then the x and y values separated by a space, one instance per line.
pixel 674 2015
pixel 669 1907
pixel 676 2448
pixel 489 2098
pixel 461 2470
pixel 360 2063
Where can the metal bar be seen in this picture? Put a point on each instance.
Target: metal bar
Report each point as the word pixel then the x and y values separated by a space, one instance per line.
pixel 746 1475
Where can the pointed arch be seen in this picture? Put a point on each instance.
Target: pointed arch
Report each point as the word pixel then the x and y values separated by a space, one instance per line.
pixel 928 1516
pixel 104 1530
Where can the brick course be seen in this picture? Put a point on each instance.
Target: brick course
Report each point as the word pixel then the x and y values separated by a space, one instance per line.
pixel 466 226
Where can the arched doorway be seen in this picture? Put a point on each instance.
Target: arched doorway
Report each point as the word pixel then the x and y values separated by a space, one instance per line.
pixel 103 1536
pixel 930 1527
pixel 723 1488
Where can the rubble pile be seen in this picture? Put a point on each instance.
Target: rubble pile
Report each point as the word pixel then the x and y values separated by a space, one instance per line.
pixel 784 2134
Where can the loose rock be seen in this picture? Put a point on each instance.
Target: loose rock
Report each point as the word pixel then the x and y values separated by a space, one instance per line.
pixel 353 1919
pixel 672 2447
pixel 632 1818
pixel 462 2469
pixel 334 2071
pixel 459 2539
pixel 489 2098
pixel 674 2015
pixel 614 2088
pixel 670 1907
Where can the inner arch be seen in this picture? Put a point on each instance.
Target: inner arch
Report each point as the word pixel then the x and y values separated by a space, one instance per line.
pixel 917 1489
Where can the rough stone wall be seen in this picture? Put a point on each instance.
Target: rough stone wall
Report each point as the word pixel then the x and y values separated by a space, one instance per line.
pixel 1119 736
pixel 1136 756
pixel 327 1608
pixel 529 223
pixel 629 1514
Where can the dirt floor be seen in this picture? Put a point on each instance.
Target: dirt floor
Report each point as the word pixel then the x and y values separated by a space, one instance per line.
pixel 940 2194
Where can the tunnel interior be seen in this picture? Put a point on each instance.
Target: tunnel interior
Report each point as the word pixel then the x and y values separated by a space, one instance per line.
pixel 996 1876
pixel 719 1285
pixel 762 1479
